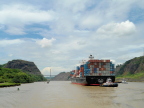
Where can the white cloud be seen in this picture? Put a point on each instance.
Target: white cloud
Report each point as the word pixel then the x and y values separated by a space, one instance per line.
pixel 6 42
pixel 126 28
pixel 72 5
pixel 10 55
pixel 2 27
pixel 90 21
pixel 10 14
pixel 45 42
pixel 15 30
pixel 16 17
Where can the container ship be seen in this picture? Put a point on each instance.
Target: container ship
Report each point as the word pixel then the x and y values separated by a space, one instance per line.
pixel 93 72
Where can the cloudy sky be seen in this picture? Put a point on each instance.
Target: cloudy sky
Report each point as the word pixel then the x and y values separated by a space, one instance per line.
pixel 58 34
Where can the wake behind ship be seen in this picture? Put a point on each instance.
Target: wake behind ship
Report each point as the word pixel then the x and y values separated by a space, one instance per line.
pixel 93 72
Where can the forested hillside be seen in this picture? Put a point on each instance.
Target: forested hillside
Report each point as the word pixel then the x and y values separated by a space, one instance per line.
pixel 133 69
pixel 25 66
pixel 20 71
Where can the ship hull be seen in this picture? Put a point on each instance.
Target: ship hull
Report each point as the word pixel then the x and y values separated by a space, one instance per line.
pixel 91 80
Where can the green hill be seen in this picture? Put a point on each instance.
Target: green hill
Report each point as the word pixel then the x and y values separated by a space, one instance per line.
pixel 20 71
pixel 132 69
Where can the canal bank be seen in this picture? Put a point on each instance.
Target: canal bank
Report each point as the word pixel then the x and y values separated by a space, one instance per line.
pixel 130 79
pixel 9 84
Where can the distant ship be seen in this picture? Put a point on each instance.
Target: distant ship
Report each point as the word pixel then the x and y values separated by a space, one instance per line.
pixel 93 72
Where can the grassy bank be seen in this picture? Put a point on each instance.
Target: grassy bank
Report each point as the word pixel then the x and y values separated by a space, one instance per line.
pixel 9 84
pixel 138 77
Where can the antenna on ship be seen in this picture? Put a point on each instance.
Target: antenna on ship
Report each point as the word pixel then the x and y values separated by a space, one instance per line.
pixel 91 57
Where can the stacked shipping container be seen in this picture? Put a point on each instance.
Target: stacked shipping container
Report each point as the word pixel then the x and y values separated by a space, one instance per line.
pixel 94 68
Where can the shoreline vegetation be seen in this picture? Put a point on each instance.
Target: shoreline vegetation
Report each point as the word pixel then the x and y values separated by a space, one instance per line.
pixel 14 76
pixel 9 84
pixel 138 77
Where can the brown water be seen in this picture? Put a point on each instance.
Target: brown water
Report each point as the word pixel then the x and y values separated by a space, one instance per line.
pixel 63 94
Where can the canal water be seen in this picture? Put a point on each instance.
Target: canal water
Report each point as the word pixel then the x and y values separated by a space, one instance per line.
pixel 63 94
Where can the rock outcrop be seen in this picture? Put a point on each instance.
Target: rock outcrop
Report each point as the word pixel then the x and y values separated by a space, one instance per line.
pixel 63 76
pixel 23 65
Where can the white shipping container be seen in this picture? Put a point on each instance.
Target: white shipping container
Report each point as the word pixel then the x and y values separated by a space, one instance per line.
pixel 104 66
pixel 91 69
pixel 107 72
pixel 107 63
pixel 91 66
pixel 95 63
pixel 107 69
pixel 103 74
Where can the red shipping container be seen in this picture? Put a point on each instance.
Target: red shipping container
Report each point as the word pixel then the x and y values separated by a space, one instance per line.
pixel 107 60
pixel 73 70
pixel 81 69
pixel 104 69
pixel 111 72
pixel 96 66
pixel 100 69
pixel 99 74
pixel 102 66
pixel 102 60
pixel 91 61
pixel 97 60
pixel 82 74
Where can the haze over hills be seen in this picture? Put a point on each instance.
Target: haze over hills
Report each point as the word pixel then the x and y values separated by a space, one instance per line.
pixel 63 76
